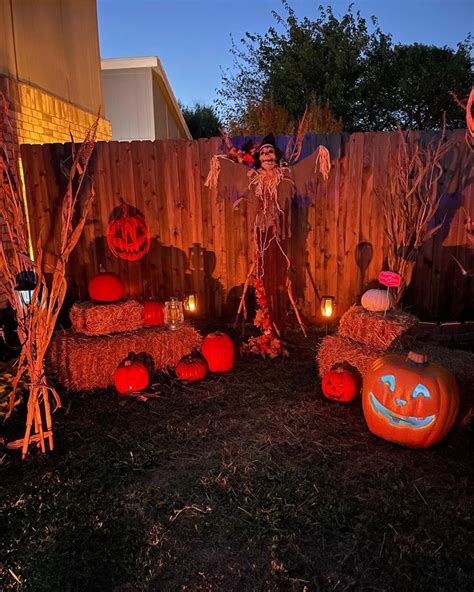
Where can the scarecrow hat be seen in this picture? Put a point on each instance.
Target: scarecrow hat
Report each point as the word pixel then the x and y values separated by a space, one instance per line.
pixel 268 140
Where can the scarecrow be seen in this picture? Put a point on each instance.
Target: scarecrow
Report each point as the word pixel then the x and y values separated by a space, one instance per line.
pixel 262 175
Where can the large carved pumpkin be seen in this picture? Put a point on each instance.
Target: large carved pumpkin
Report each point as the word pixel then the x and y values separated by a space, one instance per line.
pixel 106 287
pixel 128 235
pixel 219 351
pixel 410 401
pixel 191 368
pixel 377 300
pixel 131 377
pixel 340 385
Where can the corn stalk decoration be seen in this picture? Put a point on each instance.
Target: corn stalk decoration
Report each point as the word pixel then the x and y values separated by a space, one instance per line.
pixel 411 201
pixel 37 319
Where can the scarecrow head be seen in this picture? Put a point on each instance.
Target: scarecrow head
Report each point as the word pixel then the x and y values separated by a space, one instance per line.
pixel 269 155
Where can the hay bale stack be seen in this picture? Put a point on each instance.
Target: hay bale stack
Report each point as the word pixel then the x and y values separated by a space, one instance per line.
pixel 393 331
pixel 336 350
pixel 92 318
pixel 86 363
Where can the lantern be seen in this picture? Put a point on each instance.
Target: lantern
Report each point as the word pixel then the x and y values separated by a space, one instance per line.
pixel 190 302
pixel 328 306
pixel 26 282
pixel 174 315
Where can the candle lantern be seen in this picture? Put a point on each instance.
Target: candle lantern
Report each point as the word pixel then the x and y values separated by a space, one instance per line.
pixel 191 302
pixel 174 314
pixel 328 306
pixel 26 282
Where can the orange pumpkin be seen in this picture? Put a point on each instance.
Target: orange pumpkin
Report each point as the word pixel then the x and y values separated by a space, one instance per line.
pixel 131 376
pixel 128 235
pixel 219 351
pixel 339 385
pixel 191 368
pixel 410 401
pixel 153 314
pixel 106 287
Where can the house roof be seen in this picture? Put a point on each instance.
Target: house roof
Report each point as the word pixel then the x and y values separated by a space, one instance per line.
pixel 154 63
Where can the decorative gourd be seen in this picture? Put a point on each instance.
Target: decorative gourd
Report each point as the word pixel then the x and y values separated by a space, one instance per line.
pixel 219 351
pixel 130 377
pixel 153 314
pixel 128 235
pixel 191 368
pixel 106 287
pixel 340 385
pixel 409 400
pixel 377 300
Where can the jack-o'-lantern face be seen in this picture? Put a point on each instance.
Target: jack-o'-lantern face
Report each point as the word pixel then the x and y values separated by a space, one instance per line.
pixel 128 235
pixel 409 401
pixel 339 385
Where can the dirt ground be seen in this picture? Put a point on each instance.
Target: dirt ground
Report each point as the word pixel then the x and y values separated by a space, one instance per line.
pixel 245 481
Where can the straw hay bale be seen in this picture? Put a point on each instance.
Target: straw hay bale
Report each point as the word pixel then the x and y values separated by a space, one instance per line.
pixel 86 363
pixel 92 318
pixel 394 331
pixel 339 350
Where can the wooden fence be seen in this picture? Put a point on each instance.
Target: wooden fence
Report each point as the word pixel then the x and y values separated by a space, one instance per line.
pixel 201 244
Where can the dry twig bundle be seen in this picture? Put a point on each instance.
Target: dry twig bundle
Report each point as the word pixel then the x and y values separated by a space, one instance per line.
pixel 411 201
pixel 36 320
pixel 92 318
pixel 88 363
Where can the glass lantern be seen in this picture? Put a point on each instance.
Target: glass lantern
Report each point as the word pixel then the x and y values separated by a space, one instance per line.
pixel 174 314
pixel 191 302
pixel 328 306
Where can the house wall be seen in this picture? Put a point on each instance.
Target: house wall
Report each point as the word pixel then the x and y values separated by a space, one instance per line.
pixel 128 102
pixel 166 124
pixel 49 74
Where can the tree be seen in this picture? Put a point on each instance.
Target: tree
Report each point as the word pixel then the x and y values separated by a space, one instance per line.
pixel 202 121
pixel 363 79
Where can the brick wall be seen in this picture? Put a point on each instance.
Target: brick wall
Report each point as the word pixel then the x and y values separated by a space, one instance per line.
pixel 40 118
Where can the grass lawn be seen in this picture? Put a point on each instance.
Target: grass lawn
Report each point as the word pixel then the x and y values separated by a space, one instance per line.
pixel 246 481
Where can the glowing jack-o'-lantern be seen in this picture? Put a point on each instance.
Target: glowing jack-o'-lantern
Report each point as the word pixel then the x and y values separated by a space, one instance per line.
pixel 339 385
pixel 409 400
pixel 128 235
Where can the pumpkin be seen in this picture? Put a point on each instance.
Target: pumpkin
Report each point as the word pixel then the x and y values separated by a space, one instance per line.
pixel 106 287
pixel 409 400
pixel 153 314
pixel 191 368
pixel 377 300
pixel 219 351
pixel 340 385
pixel 128 235
pixel 131 376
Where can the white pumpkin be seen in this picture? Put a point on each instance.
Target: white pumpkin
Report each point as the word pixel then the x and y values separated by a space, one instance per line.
pixel 377 300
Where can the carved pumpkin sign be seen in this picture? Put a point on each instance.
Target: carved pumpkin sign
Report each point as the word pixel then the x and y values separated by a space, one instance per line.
pixel 409 401
pixel 128 235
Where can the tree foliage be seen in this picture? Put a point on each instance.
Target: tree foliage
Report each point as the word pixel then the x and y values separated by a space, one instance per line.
pixel 360 76
pixel 202 121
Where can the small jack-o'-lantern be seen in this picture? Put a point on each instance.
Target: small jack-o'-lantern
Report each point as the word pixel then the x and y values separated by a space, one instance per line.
pixel 339 385
pixel 131 376
pixel 191 368
pixel 128 235
pixel 219 351
pixel 409 400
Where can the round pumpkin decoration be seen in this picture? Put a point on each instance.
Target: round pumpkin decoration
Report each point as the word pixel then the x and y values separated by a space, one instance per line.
pixel 409 400
pixel 153 314
pixel 377 300
pixel 106 287
pixel 131 377
pixel 340 385
pixel 219 351
pixel 191 368
pixel 128 235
